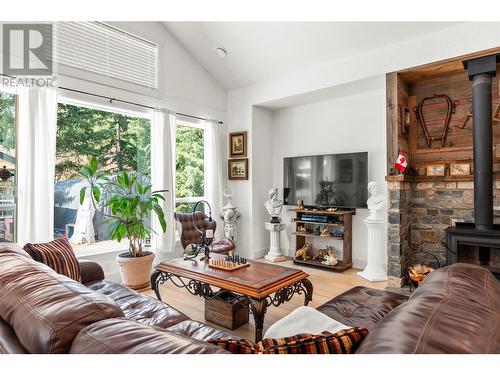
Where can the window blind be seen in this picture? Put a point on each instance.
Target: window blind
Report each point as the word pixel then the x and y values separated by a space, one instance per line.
pixel 100 48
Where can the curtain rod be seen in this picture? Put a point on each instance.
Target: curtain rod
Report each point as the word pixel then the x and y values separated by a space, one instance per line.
pixel 111 100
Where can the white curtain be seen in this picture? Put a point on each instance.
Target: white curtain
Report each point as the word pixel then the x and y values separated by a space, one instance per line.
pixel 36 155
pixel 214 181
pixel 163 177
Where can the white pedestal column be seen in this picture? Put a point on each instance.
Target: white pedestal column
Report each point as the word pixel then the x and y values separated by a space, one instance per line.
pixel 275 254
pixel 375 270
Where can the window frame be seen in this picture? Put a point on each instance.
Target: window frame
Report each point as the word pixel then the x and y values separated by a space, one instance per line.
pixel 81 100
pixel 197 124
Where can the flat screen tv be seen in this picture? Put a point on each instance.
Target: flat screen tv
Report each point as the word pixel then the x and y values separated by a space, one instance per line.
pixel 333 180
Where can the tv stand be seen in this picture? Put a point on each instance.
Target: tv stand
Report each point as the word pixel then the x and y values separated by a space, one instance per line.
pixel 338 222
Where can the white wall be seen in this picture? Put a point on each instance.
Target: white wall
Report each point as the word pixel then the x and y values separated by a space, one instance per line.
pixel 262 180
pixel 353 123
pixel 315 84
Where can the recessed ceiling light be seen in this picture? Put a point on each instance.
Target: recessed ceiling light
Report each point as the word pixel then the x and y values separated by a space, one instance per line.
pixel 221 52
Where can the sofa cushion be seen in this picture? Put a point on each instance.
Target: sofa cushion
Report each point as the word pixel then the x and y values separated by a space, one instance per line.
pixel 198 330
pixel 362 306
pixel 455 310
pixel 120 336
pixel 138 306
pixel 45 309
pixel 345 341
pixel 58 255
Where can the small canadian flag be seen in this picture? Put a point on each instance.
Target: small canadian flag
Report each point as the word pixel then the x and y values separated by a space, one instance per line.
pixel 401 163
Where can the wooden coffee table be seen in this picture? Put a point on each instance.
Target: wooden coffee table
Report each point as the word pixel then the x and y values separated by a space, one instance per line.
pixel 261 284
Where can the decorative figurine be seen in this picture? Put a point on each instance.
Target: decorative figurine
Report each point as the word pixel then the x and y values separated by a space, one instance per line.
pixel 302 229
pixel 299 205
pixel 375 202
pixel 230 215
pixel 274 205
pixel 330 257
pixel 332 209
pixel 325 232
pixel 304 252
pixel 320 254
pixel 317 231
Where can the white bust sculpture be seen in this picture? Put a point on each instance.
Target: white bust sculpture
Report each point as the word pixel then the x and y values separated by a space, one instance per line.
pixel 375 202
pixel 274 205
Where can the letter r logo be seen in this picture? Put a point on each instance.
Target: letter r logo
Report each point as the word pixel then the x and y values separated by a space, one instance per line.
pixel 27 49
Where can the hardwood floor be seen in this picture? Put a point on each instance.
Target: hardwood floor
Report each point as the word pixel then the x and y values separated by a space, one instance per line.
pixel 326 285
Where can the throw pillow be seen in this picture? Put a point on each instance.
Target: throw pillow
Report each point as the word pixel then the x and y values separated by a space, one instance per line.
pixel 235 346
pixel 345 341
pixel 303 319
pixel 58 255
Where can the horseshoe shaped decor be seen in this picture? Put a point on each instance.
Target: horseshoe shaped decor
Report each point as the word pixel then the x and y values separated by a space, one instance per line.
pixel 421 117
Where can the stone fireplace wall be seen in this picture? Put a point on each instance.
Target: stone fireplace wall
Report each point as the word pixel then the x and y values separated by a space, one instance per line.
pixel 420 211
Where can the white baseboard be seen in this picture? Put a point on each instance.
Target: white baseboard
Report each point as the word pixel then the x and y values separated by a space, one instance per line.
pixel 260 253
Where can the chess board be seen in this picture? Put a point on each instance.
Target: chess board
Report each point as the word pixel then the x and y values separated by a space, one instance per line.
pixel 225 265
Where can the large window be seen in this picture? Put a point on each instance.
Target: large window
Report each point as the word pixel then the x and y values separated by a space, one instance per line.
pixel 190 164
pixel 118 141
pixel 7 167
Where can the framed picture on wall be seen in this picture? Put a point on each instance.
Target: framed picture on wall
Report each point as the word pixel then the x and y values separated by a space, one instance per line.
pixel 237 169
pixel 238 144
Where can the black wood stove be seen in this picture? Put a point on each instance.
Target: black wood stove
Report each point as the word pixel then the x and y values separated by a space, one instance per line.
pixel 481 237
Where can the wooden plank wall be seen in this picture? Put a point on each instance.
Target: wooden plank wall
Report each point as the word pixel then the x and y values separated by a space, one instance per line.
pixel 458 145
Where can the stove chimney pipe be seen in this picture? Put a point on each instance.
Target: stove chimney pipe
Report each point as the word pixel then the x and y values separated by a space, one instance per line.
pixel 481 71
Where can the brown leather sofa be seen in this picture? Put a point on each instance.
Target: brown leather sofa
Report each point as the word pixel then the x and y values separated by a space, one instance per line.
pixel 455 310
pixel 44 312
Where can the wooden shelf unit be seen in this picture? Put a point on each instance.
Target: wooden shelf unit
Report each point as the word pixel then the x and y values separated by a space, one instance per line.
pixel 344 220
pixel 340 238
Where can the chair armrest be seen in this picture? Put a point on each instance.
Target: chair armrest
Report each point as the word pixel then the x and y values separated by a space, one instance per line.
pixel 90 271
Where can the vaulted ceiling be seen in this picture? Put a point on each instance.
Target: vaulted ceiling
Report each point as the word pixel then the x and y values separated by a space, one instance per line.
pixel 257 51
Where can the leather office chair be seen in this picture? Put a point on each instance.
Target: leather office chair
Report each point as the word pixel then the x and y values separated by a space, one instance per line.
pixel 190 235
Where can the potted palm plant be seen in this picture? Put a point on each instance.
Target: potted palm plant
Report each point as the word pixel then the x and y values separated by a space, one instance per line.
pixel 129 203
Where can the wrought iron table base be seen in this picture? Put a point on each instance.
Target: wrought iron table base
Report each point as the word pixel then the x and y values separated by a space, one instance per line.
pixel 258 307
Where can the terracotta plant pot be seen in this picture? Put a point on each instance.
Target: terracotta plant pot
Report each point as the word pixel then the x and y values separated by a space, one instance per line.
pixel 136 272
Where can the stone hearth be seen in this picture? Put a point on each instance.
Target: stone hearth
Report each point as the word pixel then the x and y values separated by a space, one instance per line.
pixel 418 214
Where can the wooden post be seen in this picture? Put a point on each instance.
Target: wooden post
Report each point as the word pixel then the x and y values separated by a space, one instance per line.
pixel 392 119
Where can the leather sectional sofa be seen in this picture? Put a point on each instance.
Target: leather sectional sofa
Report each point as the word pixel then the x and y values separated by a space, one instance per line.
pixel 456 310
